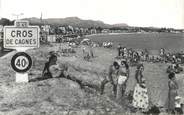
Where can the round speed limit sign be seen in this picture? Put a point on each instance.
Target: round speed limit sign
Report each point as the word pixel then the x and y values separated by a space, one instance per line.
pixel 21 62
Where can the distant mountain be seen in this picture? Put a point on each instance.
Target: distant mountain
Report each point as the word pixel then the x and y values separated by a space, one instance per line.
pixel 120 25
pixel 73 21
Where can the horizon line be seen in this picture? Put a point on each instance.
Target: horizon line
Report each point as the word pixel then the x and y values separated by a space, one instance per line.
pixel 95 20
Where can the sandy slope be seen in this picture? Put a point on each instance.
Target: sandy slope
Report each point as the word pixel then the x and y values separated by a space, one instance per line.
pixel 61 96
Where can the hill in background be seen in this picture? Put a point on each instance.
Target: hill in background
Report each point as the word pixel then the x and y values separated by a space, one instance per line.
pixel 73 21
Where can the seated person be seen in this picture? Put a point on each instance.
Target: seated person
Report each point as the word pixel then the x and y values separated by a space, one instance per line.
pixel 178 106
pixel 174 68
pixel 178 69
pixel 52 69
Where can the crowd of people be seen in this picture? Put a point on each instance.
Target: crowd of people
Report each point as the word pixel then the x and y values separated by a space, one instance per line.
pixel 118 75
pixel 144 55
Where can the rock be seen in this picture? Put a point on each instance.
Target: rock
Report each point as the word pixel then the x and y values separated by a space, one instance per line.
pixel 42 94
pixel 108 90
pixel 56 112
pixel 82 112
pixel 46 107
pixel 20 111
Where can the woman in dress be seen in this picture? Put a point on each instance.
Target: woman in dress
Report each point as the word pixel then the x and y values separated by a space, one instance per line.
pixel 173 87
pixel 138 73
pixel 140 96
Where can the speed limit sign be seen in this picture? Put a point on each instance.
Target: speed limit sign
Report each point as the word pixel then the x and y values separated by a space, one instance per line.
pixel 21 62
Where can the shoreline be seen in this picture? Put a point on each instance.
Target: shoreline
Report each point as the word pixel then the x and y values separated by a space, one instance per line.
pixel 129 33
pixel 109 34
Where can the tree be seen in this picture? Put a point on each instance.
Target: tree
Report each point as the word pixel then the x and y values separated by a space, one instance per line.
pixel 5 21
pixel 99 29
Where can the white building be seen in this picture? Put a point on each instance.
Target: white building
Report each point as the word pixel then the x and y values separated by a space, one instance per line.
pixel 51 38
pixel 46 28
pixel 63 29
pixel 105 31
pixel 71 28
pixel 93 31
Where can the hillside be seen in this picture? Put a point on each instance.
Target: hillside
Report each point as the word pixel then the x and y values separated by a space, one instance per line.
pixel 65 97
pixel 120 25
pixel 73 21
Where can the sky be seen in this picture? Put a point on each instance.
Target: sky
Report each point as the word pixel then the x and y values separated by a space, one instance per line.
pixel 144 13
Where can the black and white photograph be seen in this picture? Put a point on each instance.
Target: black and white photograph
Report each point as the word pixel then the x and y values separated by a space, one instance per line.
pixel 91 57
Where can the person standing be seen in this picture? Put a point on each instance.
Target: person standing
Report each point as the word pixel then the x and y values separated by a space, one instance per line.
pixel 111 77
pixel 173 87
pixel 146 54
pixel 125 53
pixel 162 54
pixel 140 95
pixel 138 73
pixel 91 51
pixel 123 75
pixel 119 50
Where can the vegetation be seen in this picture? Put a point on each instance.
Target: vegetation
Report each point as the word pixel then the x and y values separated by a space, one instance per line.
pixel 89 24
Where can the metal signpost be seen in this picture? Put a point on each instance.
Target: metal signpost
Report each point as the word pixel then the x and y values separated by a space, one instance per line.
pixel 21 37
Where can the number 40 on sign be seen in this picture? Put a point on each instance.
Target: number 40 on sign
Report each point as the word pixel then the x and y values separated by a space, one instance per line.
pixel 21 62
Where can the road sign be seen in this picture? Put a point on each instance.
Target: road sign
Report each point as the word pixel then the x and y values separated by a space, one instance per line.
pixel 21 35
pixel 21 23
pixel 21 62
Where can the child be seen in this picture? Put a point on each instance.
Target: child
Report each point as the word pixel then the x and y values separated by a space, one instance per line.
pixel 178 105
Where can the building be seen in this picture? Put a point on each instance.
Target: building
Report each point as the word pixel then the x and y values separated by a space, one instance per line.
pixel 106 31
pixel 46 28
pixel 63 29
pixel 93 31
pixel 51 38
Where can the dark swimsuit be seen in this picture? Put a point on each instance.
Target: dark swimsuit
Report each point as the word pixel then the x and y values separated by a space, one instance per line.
pixel 47 73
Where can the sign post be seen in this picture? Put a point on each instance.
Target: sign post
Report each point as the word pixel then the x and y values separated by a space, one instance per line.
pixel 21 37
